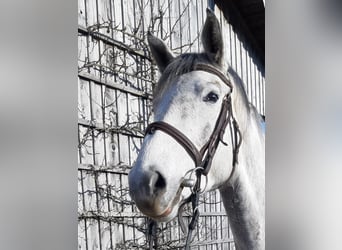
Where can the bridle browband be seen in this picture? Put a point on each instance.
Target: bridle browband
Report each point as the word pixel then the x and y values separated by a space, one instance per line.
pixel 203 157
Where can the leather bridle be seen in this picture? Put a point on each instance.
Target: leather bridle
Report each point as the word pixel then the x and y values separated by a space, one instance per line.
pixel 203 157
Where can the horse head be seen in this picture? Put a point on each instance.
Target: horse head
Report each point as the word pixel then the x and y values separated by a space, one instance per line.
pixel 189 101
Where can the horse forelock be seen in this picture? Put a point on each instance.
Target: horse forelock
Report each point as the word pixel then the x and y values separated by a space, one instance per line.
pixel 182 64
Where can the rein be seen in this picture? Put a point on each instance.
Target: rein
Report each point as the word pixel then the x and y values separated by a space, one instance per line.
pixel 203 157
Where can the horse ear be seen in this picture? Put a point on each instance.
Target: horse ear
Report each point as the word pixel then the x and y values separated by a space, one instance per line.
pixel 212 37
pixel 160 52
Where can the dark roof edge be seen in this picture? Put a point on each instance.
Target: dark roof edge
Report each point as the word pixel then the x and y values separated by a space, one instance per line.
pixel 233 14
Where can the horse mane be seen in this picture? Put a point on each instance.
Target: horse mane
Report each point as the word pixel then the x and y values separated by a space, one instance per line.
pixel 239 88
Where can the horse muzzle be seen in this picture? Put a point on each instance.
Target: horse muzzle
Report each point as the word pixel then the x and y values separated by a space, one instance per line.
pixel 148 189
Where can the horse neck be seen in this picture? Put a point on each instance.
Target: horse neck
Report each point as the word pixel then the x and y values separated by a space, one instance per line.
pixel 244 195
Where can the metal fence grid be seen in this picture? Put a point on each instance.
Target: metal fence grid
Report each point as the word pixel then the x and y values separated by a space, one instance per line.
pixel 116 77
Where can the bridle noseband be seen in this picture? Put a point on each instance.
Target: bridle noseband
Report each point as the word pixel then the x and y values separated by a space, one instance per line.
pixel 203 157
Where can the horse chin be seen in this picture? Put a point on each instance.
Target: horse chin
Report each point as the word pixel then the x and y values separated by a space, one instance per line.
pixel 168 215
pixel 171 211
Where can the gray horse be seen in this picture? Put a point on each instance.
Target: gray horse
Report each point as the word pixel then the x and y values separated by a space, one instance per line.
pixel 189 99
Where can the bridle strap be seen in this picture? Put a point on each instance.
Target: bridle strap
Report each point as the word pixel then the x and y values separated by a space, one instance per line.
pixel 217 135
pixel 211 69
pixel 151 232
pixel 203 157
pixel 178 136
pixel 209 149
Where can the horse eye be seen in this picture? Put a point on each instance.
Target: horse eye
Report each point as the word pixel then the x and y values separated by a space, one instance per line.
pixel 211 97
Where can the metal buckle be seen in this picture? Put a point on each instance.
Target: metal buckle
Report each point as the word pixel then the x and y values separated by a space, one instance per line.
pixel 190 182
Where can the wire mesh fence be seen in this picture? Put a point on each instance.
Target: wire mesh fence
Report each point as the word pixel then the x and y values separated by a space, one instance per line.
pixel 116 77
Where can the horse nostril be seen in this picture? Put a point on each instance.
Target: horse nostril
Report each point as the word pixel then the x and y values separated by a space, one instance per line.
pixel 160 183
pixel 152 182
